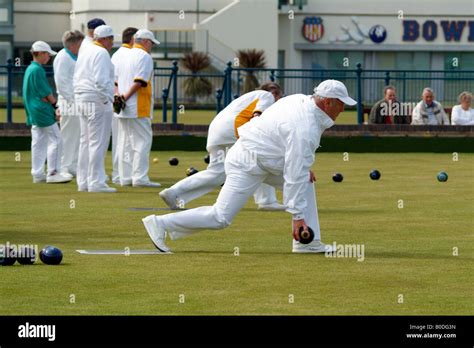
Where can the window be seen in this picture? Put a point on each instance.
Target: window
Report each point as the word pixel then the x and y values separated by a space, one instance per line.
pixel 413 60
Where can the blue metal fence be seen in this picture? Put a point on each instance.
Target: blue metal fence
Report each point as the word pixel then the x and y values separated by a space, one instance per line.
pixel 365 86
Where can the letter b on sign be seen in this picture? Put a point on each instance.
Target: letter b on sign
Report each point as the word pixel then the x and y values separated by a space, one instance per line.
pixel 411 30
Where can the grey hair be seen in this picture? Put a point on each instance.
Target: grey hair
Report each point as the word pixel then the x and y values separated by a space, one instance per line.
pixel 72 37
pixel 318 97
pixel 138 41
pixel 386 88
pixel 464 95
pixel 428 89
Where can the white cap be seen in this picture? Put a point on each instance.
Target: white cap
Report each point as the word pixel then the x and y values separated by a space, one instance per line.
pixel 146 34
pixel 334 89
pixel 41 46
pixel 103 31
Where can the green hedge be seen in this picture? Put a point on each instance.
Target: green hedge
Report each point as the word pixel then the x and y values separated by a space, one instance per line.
pixel 328 144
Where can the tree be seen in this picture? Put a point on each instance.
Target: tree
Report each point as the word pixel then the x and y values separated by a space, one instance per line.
pixel 251 58
pixel 196 86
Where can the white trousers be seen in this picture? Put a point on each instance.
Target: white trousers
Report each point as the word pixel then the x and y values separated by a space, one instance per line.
pixel 71 135
pixel 265 194
pixel 205 181
pixel 243 178
pixel 134 157
pixel 115 158
pixel 45 147
pixel 96 121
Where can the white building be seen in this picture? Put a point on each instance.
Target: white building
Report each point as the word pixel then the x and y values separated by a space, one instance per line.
pixel 412 34
pixel 380 34
pixel 296 34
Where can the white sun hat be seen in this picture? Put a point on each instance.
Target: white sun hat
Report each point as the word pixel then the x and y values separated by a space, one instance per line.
pixel 41 46
pixel 334 89
pixel 103 31
pixel 146 34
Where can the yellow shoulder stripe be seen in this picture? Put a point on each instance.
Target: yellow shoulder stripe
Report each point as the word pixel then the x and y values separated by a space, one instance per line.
pixel 244 116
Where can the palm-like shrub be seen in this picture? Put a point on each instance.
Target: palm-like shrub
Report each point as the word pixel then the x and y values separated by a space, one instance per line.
pixel 251 58
pixel 196 86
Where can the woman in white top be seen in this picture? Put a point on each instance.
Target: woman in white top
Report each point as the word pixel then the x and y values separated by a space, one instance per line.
pixel 463 114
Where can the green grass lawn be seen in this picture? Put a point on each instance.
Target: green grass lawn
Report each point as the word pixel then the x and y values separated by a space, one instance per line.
pixel 408 251
pixel 187 117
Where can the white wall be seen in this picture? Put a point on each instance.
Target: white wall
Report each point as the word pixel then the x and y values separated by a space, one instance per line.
pixel 151 14
pixel 41 21
pixel 245 24
pixel 117 22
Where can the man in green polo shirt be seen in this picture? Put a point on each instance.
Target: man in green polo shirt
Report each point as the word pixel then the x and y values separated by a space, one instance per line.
pixel 41 115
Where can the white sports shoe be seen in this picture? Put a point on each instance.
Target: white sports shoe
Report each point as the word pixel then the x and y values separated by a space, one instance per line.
pixel 67 175
pixel 272 207
pixel 39 179
pixel 103 189
pixel 58 179
pixel 314 247
pixel 148 184
pixel 157 232
pixel 169 198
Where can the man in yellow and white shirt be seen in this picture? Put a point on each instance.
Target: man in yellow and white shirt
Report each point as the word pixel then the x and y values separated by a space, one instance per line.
pixel 135 83
pixel 222 135
pixel 120 58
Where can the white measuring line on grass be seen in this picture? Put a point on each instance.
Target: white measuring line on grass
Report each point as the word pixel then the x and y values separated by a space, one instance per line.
pixel 122 252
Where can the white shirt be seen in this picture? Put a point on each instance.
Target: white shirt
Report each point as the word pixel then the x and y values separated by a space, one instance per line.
pixel 63 66
pixel 461 117
pixel 137 66
pixel 85 43
pixel 120 57
pixel 285 139
pixel 94 75
pixel 223 129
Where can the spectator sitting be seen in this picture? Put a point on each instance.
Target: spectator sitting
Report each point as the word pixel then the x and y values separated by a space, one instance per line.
pixel 429 111
pixel 463 114
pixel 388 110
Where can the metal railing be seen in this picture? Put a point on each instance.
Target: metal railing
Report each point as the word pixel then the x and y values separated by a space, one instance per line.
pixel 366 86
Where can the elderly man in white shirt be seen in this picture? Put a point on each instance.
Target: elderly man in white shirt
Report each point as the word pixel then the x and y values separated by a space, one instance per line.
pixel 64 65
pixel 94 95
pixel 277 148
pixel 463 114
pixel 429 111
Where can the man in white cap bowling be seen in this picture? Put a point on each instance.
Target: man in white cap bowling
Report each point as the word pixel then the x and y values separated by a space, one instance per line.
pixel 277 148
